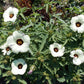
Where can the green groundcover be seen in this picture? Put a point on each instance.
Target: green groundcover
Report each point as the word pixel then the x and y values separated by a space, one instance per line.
pixel 41 41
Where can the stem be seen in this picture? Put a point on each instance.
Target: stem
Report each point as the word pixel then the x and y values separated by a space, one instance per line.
pixel 31 58
pixel 74 82
pixel 47 8
pixel 48 69
pixel 65 42
pixel 49 81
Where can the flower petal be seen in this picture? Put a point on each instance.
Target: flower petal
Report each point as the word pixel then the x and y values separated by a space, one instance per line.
pixel 17 35
pixel 10 40
pixel 76 61
pixel 26 39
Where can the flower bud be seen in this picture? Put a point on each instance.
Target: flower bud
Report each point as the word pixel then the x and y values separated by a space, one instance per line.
pixel 7 57
pixel 5 61
pixel 32 68
pixel 57 76
pixel 39 58
pixel 74 79
pixel 30 71
pixel 9 72
pixel 47 78
pixel 14 77
pixel 69 34
pixel 9 33
pixel 42 60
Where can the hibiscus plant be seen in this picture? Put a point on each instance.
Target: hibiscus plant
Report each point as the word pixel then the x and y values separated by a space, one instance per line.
pixel 41 41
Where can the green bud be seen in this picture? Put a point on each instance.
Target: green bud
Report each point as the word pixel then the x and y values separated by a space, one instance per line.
pixel 47 78
pixel 74 79
pixel 42 60
pixel 50 31
pixel 69 34
pixel 9 33
pixel 38 53
pixel 9 72
pixel 44 73
pixel 5 61
pixel 14 77
pixel 82 7
pixel 39 58
pixel 33 20
pixel 7 57
pixel 57 76
pixel 54 9
pixel 32 67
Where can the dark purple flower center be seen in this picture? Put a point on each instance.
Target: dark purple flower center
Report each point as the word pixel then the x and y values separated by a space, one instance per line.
pixel 75 55
pixel 78 24
pixel 56 49
pixel 19 41
pixel 8 48
pixel 11 15
pixel 20 66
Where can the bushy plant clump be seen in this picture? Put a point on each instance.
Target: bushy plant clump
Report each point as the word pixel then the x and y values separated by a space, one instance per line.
pixel 41 41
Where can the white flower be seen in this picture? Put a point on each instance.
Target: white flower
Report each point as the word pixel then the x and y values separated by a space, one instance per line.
pixel 18 67
pixel 56 50
pixel 19 42
pixel 6 49
pixel 78 56
pixel 10 14
pixel 77 23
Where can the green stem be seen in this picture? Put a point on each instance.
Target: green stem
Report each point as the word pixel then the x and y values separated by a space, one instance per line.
pixel 49 81
pixel 31 58
pixel 47 8
pixel 48 69
pixel 65 42
pixel 74 82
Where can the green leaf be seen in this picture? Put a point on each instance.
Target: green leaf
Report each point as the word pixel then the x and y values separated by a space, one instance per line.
pixel 49 81
pixel 61 79
pixel 3 67
pixel 83 43
pixel 49 69
pixel 61 64
pixel 8 82
pixel 74 38
pixel 0 71
pixel 55 70
pixel 5 74
pixel 47 8
pixel 22 81
pixel 27 26
pixel 43 42
pixel 22 9
pixel 22 16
